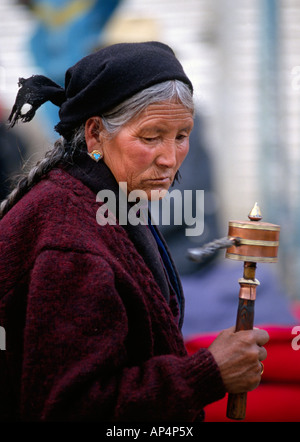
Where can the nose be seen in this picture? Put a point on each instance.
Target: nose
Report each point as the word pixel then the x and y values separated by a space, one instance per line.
pixel 167 155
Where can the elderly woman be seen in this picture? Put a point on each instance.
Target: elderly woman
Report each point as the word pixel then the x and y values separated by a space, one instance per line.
pixel 93 311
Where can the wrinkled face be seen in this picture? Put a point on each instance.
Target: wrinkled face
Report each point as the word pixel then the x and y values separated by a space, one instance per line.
pixel 148 151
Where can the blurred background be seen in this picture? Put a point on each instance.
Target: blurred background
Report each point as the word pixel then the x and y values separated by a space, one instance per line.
pixel 244 60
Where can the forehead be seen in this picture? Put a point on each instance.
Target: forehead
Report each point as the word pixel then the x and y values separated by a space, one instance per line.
pixel 164 113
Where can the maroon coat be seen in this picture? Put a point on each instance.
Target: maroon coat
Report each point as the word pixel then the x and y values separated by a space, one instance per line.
pixel 91 322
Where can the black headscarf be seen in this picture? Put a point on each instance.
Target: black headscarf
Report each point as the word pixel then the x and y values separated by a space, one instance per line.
pixel 99 82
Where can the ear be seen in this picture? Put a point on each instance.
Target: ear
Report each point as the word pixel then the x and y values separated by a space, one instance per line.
pixel 93 127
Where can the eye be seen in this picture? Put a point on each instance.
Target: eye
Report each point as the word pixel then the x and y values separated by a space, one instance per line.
pixel 149 139
pixel 181 137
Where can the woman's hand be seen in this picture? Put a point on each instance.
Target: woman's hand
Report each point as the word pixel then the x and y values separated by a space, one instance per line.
pixel 238 356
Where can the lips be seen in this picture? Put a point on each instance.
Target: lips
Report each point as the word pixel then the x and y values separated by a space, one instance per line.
pixel 163 179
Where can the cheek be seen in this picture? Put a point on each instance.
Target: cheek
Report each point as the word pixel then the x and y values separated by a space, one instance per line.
pixel 143 158
pixel 135 166
pixel 182 153
pixel 140 158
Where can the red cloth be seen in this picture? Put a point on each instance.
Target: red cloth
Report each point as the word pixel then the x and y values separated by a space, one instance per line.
pixel 277 399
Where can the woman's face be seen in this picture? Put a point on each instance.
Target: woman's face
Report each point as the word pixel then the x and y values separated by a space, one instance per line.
pixel 148 151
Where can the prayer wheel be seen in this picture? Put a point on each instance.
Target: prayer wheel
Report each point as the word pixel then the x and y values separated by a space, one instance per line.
pixel 253 242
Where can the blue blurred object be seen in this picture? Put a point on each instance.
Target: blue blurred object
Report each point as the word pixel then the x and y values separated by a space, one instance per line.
pixel 67 30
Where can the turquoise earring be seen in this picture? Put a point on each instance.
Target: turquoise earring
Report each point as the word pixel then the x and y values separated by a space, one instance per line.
pixel 96 155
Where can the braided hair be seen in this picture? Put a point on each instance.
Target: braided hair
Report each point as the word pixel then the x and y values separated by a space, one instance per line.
pixel 61 151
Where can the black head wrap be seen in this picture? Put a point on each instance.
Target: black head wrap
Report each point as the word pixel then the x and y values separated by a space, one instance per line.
pixel 99 82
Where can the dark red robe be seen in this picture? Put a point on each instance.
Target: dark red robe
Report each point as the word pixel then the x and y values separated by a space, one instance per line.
pixel 92 324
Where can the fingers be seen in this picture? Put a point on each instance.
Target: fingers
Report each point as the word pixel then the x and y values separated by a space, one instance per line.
pixel 239 357
pixel 261 336
pixel 262 354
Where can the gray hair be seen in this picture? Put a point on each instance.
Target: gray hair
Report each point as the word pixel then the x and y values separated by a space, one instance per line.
pixel 113 121
pixel 130 108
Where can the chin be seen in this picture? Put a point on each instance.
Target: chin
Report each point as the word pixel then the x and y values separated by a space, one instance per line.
pixel 157 194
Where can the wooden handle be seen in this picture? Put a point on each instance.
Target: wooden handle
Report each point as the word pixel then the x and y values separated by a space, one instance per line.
pixel 236 405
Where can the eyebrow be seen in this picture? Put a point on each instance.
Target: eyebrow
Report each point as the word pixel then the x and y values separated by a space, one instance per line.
pixel 160 130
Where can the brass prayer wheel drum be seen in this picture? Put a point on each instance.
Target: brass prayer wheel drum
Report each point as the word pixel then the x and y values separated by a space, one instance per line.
pixel 256 241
